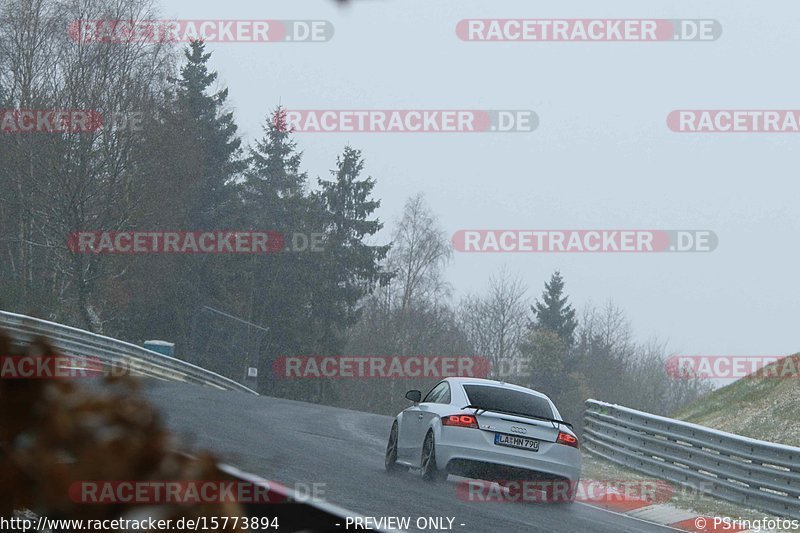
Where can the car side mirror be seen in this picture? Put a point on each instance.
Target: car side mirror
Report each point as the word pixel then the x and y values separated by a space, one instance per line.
pixel 414 395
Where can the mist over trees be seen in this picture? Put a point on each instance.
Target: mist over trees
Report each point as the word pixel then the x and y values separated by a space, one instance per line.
pixel 181 166
pixel 595 356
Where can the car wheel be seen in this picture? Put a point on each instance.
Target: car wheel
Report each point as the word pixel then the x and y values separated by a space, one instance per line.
pixel 428 469
pixel 390 461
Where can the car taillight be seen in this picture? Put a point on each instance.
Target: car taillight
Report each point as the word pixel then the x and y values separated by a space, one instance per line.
pixel 567 439
pixel 462 421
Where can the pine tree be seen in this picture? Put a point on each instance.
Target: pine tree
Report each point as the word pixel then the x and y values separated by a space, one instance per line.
pixel 554 313
pixel 189 159
pixel 280 286
pixel 350 268
pixel 274 164
pixel 212 131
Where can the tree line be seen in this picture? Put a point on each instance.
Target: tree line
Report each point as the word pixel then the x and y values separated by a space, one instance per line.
pixel 185 167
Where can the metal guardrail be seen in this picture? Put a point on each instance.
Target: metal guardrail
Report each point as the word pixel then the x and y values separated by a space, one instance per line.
pixel 297 512
pixel 79 343
pixel 293 511
pixel 753 473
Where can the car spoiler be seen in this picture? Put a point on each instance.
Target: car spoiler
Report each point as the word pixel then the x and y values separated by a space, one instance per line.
pixel 484 409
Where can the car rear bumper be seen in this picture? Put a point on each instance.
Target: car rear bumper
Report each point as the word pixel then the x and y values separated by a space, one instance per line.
pixel 472 453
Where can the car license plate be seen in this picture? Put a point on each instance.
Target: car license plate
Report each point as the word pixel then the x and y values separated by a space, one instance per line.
pixel 516 442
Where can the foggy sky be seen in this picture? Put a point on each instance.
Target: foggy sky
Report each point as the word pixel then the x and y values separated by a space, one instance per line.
pixel 602 156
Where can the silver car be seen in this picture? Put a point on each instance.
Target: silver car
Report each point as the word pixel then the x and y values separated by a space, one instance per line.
pixel 485 429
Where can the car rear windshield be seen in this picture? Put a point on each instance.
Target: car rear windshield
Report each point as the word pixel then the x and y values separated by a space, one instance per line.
pixel 509 400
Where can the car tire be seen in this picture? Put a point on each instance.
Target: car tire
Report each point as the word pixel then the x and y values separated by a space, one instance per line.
pixel 428 467
pixel 390 460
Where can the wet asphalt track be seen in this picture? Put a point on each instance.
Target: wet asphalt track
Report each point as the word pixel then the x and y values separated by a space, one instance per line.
pixel 294 442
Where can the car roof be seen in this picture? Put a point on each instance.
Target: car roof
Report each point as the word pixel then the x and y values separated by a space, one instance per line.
pixel 492 382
